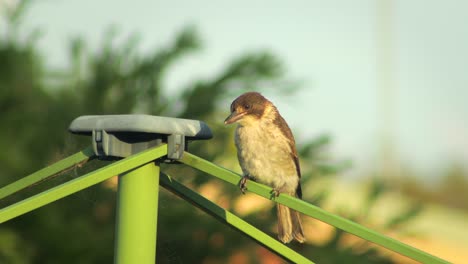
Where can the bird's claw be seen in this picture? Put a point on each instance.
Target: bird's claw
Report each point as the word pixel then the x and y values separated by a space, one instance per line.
pixel 242 184
pixel 275 193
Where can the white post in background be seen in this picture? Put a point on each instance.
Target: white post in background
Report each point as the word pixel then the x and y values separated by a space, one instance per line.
pixel 388 164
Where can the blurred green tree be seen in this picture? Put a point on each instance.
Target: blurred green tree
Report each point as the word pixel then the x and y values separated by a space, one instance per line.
pixel 453 180
pixel 37 105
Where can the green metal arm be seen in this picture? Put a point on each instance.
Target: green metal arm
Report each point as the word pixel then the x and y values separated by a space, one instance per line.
pixel 47 172
pixel 80 183
pixel 311 210
pixel 232 220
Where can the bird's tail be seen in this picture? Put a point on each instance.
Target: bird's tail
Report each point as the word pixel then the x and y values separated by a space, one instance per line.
pixel 289 225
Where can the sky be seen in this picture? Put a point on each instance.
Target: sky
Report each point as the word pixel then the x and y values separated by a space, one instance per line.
pixel 330 47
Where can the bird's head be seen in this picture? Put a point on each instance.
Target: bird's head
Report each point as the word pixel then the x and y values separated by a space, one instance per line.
pixel 247 108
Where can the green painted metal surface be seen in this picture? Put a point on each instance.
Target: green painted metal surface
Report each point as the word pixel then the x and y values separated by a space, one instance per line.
pixel 47 172
pixel 313 211
pixel 232 220
pixel 138 200
pixel 137 208
pixel 81 183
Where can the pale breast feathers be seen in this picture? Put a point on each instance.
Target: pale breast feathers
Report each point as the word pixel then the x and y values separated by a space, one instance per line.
pixel 266 152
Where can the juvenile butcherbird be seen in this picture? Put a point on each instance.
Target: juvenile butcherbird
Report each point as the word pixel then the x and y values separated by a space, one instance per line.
pixel 267 153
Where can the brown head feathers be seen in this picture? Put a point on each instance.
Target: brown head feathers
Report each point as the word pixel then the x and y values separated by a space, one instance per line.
pixel 252 102
pixel 251 105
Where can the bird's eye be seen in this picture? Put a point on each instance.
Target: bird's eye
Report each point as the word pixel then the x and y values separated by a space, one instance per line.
pixel 247 106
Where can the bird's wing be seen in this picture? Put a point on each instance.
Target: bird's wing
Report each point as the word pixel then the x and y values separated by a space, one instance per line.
pixel 284 128
pixel 281 123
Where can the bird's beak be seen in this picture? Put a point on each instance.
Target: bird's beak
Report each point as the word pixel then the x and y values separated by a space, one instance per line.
pixel 233 117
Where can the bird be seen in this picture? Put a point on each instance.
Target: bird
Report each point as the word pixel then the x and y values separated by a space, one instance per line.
pixel 267 154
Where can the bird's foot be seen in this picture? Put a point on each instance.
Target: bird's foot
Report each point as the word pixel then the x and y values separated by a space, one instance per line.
pixel 274 193
pixel 242 183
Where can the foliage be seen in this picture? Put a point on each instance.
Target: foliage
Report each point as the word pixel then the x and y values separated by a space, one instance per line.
pixel 453 181
pixel 37 106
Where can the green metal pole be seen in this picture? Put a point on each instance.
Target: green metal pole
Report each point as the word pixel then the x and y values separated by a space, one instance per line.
pixel 137 207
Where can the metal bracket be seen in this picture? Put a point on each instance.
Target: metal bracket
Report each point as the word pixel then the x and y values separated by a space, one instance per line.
pixel 120 145
pixel 175 146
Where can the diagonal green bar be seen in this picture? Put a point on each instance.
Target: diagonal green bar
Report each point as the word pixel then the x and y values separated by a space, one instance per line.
pixel 230 219
pixel 81 183
pixel 313 211
pixel 47 172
